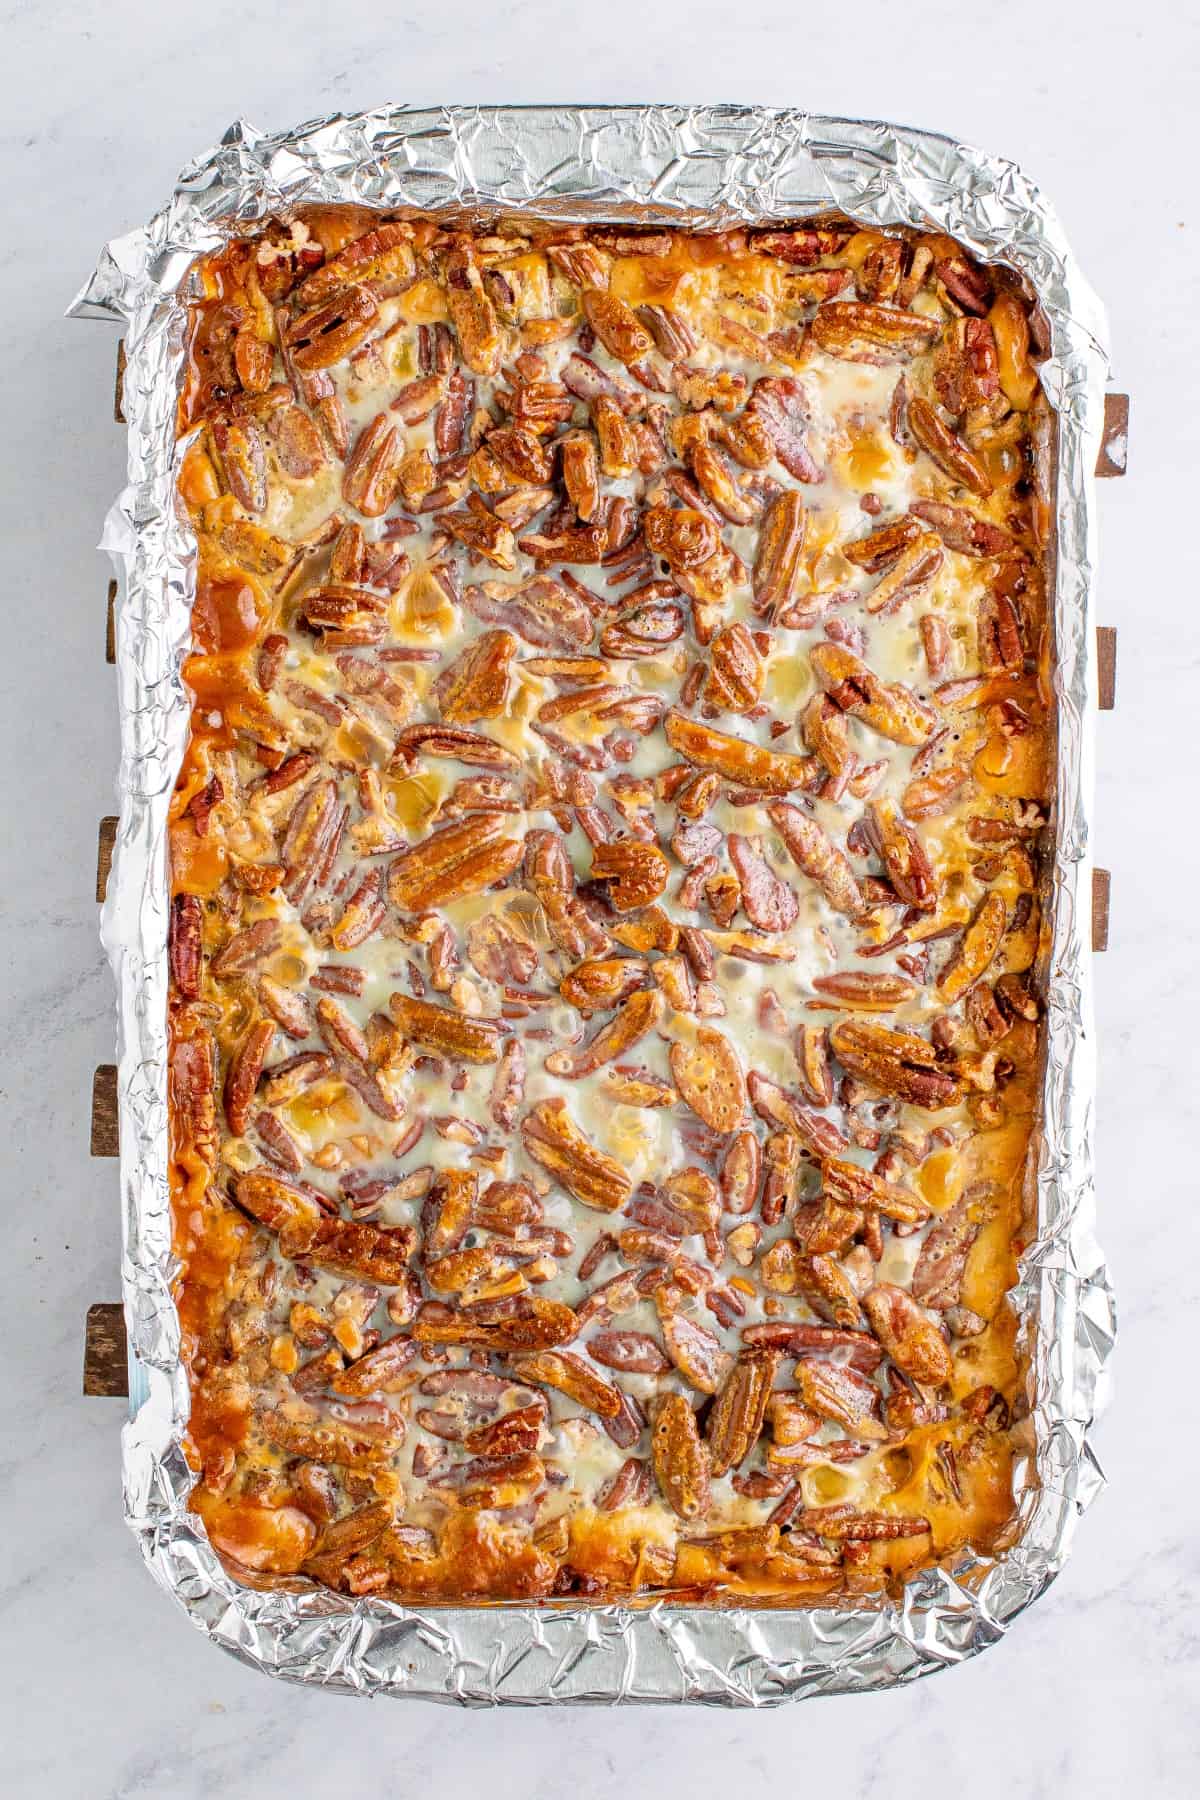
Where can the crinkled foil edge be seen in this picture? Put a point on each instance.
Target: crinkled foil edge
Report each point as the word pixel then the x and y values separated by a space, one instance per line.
pixel 718 165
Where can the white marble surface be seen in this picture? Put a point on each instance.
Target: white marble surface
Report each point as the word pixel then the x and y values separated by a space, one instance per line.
pixel 104 1691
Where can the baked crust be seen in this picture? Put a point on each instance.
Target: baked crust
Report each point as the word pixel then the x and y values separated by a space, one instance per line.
pixel 604 1047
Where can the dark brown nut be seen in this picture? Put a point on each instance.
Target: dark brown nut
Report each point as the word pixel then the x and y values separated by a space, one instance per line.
pixel 905 860
pixel 186 945
pixel 741 1171
pixel 617 326
pixel 780 407
pixel 767 900
pixel 631 1352
pixel 736 670
pixel 245 1068
pixel 475 686
pixel 460 859
pixel 480 336
pixel 570 1375
pixel 537 1324
pixel 887 707
pixel 543 612
pixel 975 950
pixel 239 447
pixel 894 1062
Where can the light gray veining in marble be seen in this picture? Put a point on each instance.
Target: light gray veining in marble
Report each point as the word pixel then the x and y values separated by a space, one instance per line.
pixel 104 1692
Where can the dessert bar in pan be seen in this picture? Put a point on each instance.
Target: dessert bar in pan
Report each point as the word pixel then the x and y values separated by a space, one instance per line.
pixel 600 901
pixel 605 881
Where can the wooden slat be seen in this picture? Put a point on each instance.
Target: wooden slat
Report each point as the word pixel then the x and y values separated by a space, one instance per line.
pixel 1101 895
pixel 105 1353
pixel 118 412
pixel 1106 667
pixel 104 1111
pixel 104 854
pixel 1114 445
pixel 110 628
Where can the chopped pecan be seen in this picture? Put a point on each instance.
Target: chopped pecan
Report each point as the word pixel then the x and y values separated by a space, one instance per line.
pixel 962 530
pixel 508 1085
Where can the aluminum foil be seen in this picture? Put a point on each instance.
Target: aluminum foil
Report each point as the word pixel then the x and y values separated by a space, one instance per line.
pixel 717 166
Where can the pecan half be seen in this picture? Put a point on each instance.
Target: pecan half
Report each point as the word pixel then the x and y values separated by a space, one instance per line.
pixel 328 333
pixel 639 1014
pixel 748 764
pixel 947 449
pixel 856 331
pixel 475 686
pixel 636 873
pixel 736 1419
pixel 543 612
pixel 185 945
pixel 779 559
pixel 913 1342
pixel 889 708
pixel 894 1062
pixel 681 1461
pixel 736 670
pixel 710 1079
pixel 445 1031
pixel 767 901
pixel 976 949
pixel 816 856
pixel 903 855
pixel 553 1140
pixel 570 1375
pixel 460 859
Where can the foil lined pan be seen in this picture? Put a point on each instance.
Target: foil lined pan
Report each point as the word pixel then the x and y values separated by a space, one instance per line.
pixel 714 166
